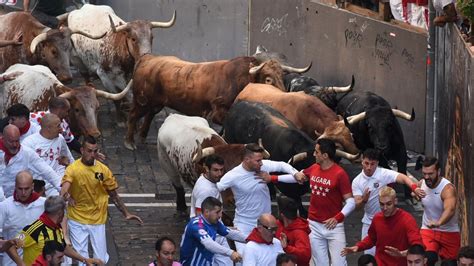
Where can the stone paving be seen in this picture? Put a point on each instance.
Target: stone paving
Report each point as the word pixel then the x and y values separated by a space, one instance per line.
pixel 139 173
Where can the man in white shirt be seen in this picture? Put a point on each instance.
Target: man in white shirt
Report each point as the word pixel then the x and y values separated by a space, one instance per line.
pixel 206 187
pixel 15 158
pixel 19 115
pixel 262 246
pixel 252 196
pixel 50 146
pixel 19 210
pixel 366 187
pixel 59 106
pixel 447 10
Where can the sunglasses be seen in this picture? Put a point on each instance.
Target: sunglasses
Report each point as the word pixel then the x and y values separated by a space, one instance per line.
pixel 271 229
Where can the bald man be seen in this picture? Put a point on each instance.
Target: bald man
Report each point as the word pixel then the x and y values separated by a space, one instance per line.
pixel 15 158
pixel 262 247
pixel 50 146
pixel 19 210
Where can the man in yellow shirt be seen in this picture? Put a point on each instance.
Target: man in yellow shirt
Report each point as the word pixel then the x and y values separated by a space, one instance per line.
pixel 90 183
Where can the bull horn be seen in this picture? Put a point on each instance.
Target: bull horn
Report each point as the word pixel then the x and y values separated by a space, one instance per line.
pixel 298 157
pixel 348 156
pixel 355 118
pixel 114 96
pixel 66 95
pixel 157 24
pixel 90 36
pixel 121 27
pixel 254 70
pixel 62 17
pixel 41 37
pixel 344 89
pixel 266 154
pixel 197 157
pixel 404 115
pixel 112 24
pixel 297 70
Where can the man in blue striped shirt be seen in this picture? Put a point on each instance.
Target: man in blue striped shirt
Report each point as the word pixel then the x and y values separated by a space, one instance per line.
pixel 198 244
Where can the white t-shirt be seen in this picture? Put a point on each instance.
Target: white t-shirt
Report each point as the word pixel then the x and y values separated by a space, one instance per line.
pixel 252 197
pixel 261 254
pixel 203 189
pixel 379 179
pixel 25 159
pixel 50 150
pixel 34 128
pixel 14 216
pixel 38 116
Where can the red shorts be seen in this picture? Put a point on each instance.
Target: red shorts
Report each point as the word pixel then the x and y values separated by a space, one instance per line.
pixel 446 244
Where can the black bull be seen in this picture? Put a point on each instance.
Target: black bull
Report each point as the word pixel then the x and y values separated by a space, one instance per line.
pixel 379 129
pixel 247 122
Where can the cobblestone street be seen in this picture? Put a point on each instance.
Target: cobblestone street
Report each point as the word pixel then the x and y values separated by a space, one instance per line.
pixel 146 191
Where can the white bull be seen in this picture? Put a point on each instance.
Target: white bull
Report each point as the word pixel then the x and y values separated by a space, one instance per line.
pixel 113 57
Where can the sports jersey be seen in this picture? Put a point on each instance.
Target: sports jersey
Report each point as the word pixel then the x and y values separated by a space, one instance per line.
pixel 35 118
pixel 89 189
pixel 327 190
pixel 50 150
pixel 35 235
pixel 201 190
pixel 252 197
pixel 380 178
pixel 25 159
pixel 192 251
pixel 14 216
pixel 433 207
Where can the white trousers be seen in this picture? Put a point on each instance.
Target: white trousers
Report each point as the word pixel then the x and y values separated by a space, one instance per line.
pixel 246 230
pixel 364 233
pixel 221 260
pixel 80 234
pixel 325 243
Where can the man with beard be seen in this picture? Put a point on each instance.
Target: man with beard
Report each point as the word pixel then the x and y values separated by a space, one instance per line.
pixel 392 232
pixel 367 184
pixel 52 255
pixel 90 183
pixel 440 229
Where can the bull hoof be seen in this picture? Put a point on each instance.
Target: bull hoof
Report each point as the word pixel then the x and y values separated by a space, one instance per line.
pixel 130 145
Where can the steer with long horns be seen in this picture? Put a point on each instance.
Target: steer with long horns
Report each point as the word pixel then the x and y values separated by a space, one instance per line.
pixel 37 85
pixel 41 45
pixel 113 57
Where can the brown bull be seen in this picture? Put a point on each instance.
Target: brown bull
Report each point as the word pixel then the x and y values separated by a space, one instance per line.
pixel 203 89
pixel 308 113
pixel 41 45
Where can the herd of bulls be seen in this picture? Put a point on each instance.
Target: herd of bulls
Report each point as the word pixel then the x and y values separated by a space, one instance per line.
pixel 254 98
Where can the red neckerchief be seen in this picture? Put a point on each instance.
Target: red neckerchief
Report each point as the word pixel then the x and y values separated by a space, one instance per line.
pixel 34 196
pixel 256 237
pixel 8 154
pixel 48 222
pixel 25 128
pixel 40 261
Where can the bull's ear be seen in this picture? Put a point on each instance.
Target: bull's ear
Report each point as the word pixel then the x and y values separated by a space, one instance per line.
pixel 339 117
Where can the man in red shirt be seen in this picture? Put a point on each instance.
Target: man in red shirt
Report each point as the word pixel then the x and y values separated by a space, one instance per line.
pixel 293 231
pixel 330 188
pixel 392 231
